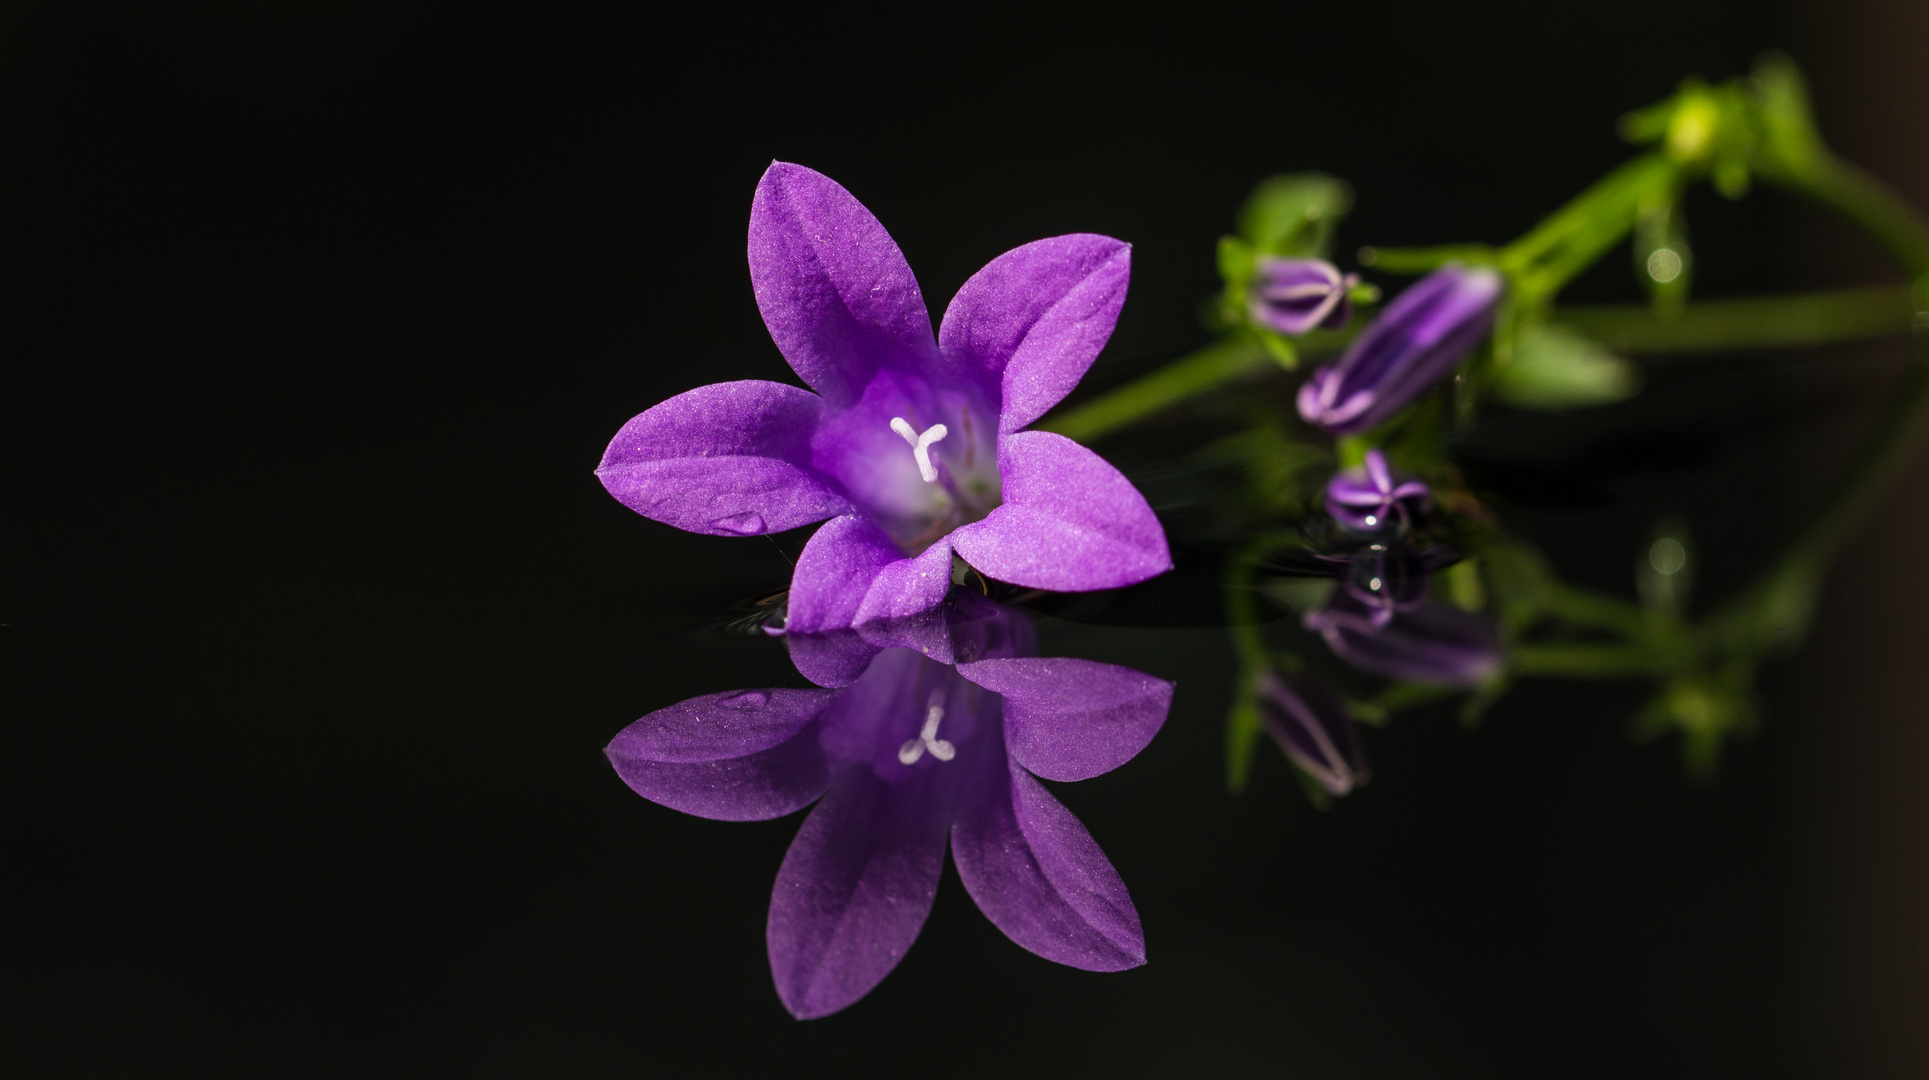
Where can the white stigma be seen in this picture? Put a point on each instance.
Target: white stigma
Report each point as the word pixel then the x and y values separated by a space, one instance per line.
pixel 913 749
pixel 921 448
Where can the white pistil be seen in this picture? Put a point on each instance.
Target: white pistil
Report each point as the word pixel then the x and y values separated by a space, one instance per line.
pixel 913 749
pixel 921 447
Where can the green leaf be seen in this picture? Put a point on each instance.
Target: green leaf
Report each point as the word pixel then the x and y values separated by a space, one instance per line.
pixel 1554 367
pixel 1780 95
pixel 1277 347
pixel 1236 259
pixel 1295 214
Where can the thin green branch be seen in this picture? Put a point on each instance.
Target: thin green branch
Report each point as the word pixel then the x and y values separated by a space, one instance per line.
pixel 1868 202
pixel 1594 661
pixel 1195 373
pixel 1613 197
pixel 1818 318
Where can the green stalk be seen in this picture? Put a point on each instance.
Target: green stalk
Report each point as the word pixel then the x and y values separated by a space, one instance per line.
pixel 1195 373
pixel 1613 197
pixel 1593 661
pixel 1869 203
pixel 1243 724
pixel 1819 318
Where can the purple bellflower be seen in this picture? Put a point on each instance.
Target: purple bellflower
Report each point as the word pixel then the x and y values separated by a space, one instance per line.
pixel 913 445
pixel 1431 642
pixel 1312 726
pixel 1293 296
pixel 912 756
pixel 1368 501
pixel 1414 343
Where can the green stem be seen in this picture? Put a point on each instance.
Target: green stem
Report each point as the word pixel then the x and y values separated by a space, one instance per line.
pixel 1594 661
pixel 1192 374
pixel 1613 197
pixel 1582 608
pixel 1243 723
pixel 1720 325
pixel 1868 202
pixel 1775 612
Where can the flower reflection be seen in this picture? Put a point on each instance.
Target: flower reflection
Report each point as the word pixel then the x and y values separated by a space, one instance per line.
pixel 1312 726
pixel 1430 642
pixel 911 755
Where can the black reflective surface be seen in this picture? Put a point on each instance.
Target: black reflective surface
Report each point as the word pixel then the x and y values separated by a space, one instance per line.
pixel 316 620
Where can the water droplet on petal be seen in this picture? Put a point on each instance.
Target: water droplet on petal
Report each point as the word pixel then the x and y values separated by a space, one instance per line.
pixel 748 523
pixel 745 700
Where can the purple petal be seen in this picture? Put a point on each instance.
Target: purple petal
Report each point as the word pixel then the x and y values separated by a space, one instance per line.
pixel 1036 317
pixel 850 572
pixel 832 658
pixel 906 588
pixel 741 756
pixel 1070 522
pixel 1036 873
pixel 854 890
pixel 838 657
pixel 1073 719
pixel 728 459
pixel 983 629
pixel 834 289
pixel 1377 471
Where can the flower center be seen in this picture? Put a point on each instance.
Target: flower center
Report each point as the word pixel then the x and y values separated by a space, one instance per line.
pixel 921 447
pixel 913 749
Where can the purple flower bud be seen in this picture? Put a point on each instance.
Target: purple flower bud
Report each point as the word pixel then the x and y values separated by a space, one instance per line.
pixel 1292 296
pixel 1432 643
pixel 1420 336
pixel 1312 726
pixel 1367 501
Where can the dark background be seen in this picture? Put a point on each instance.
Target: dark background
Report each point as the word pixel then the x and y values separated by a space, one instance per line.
pixel 318 316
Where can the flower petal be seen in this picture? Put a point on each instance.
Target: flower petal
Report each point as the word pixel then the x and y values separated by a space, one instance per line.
pixel 906 588
pixel 854 890
pixel 1073 719
pixel 1070 522
pixel 741 756
pixel 1036 873
pixel 850 572
pixel 728 459
pixel 837 657
pixel 1037 317
pixel 834 289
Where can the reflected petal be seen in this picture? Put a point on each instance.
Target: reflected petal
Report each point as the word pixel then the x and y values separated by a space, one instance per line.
pixel 1038 875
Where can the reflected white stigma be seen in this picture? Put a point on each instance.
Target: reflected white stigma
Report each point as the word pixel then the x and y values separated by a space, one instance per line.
pixel 921 448
pixel 913 749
